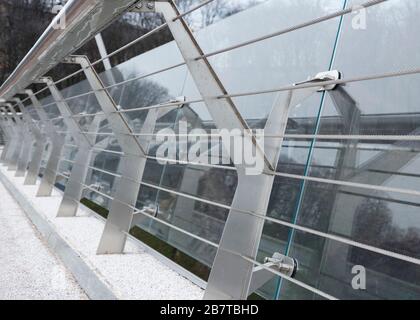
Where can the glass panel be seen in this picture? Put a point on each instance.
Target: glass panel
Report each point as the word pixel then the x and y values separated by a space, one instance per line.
pixel 85 108
pixel 383 219
pixel 76 89
pixel 384 163
pixel 133 86
pixel 385 106
pixel 213 12
pixel 292 57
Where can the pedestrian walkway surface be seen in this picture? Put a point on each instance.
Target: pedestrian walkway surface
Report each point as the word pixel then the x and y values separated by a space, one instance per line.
pixel 28 269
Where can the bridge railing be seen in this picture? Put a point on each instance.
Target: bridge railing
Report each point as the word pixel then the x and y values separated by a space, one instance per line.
pixel 325 180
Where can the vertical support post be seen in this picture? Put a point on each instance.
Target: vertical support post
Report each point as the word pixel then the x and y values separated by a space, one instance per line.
pixel 231 275
pixel 6 138
pixel 2 135
pixel 8 131
pixel 14 134
pixel 110 78
pixel 104 56
pixel 132 163
pixel 102 51
pixel 74 187
pixel 57 143
pixel 33 135
pixel 35 163
pixel 20 134
pixel 50 173
pixel 11 135
pixel 79 174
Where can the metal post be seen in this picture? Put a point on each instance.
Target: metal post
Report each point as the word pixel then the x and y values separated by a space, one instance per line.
pixel 83 160
pixel 105 59
pixel 102 51
pixel 14 134
pixel 57 143
pixel 132 163
pixel 110 79
pixel 231 275
pixel 35 163
pixel 74 187
pixel 8 131
pixel 50 173
pixel 20 136
pixel 5 135
pixel 33 135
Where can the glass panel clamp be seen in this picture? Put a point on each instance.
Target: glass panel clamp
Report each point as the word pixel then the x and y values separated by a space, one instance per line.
pixel 279 263
pixel 324 76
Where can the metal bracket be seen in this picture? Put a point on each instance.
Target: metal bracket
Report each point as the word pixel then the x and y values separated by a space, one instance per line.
pixel 144 6
pixel 278 262
pixel 283 264
pixel 324 76
pixel 178 100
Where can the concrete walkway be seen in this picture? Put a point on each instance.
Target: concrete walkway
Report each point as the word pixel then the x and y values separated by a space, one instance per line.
pixel 28 269
pixel 139 273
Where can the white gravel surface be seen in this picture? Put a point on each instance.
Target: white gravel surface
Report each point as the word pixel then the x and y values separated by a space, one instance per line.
pixel 28 269
pixel 136 274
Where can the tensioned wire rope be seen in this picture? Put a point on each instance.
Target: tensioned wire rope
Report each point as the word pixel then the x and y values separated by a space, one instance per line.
pixel 266 218
pixel 261 92
pixel 325 235
pixel 230 48
pixel 126 46
pixel 255 262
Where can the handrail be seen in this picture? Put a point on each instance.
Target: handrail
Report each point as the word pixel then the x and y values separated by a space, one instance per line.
pixel 84 19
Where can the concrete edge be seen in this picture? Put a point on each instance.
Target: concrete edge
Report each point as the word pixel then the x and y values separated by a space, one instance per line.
pixel 89 281
pixel 147 249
